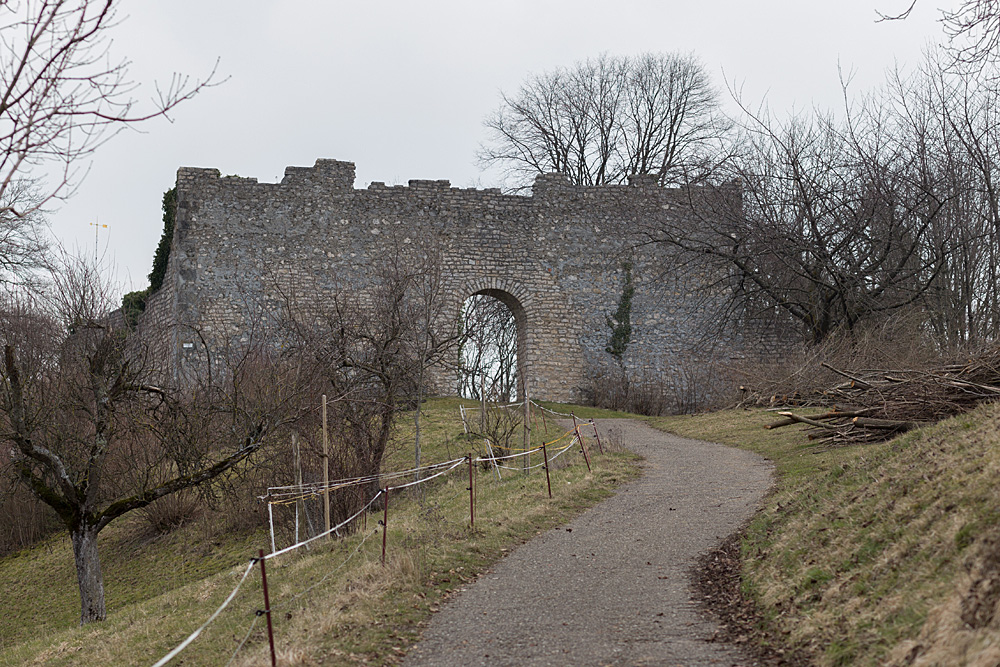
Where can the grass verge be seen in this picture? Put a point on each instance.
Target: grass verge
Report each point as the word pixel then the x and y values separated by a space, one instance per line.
pixel 333 604
pixel 878 553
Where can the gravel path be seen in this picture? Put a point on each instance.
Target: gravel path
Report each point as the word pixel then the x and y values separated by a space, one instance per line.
pixel 612 587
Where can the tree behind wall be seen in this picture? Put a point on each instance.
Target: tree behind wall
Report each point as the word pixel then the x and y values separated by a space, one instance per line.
pixel 489 350
pixel 828 223
pixel 605 119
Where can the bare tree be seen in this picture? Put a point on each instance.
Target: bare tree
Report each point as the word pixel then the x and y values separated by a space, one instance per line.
pixel 973 31
pixel 964 147
pixel 826 223
pixel 92 432
pixel 435 336
pixel 374 345
pixel 62 94
pixel 608 118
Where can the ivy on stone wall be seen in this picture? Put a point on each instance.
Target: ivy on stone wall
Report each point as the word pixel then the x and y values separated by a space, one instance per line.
pixel 134 303
pixel 163 249
pixel 621 322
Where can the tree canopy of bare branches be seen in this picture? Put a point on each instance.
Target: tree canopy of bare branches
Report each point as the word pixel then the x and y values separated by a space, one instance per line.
pixel 832 221
pixel 972 29
pixel 832 225
pixel 608 118
pixel 62 94
pixel 374 346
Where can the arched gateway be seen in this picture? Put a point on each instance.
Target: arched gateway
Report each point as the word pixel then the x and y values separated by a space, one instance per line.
pixel 555 258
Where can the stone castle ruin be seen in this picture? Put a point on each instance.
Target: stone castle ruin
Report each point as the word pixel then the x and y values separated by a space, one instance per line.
pixel 555 258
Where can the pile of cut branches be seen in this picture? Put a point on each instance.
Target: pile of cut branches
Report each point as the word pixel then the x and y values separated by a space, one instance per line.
pixel 874 405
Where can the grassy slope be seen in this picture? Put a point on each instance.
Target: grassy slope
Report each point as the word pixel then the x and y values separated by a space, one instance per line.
pixel 161 588
pixel 875 553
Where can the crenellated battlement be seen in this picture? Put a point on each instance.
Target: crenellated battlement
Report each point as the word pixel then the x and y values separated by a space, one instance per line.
pixel 336 176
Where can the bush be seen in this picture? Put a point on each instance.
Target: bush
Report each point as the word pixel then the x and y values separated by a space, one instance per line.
pixel 798 377
pixel 693 386
pixel 24 520
pixel 173 511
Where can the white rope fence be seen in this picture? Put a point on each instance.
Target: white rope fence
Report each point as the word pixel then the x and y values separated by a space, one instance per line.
pixel 253 561
pixel 194 635
pixel 552 412
pixel 288 494
pixel 340 525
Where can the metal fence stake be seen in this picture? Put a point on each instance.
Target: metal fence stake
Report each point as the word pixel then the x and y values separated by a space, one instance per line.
pixel 548 482
pixel 267 607
pixel 597 435
pixel 385 522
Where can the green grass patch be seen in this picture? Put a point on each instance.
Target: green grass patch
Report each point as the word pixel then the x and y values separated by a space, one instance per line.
pixel 335 603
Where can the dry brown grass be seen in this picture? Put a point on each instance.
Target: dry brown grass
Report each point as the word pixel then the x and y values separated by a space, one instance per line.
pixel 963 629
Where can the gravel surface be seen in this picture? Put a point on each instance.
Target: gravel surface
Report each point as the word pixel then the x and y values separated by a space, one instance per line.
pixel 613 586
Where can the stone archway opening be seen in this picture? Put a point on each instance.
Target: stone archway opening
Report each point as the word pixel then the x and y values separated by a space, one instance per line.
pixel 492 357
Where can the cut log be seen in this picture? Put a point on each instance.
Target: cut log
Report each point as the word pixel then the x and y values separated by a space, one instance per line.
pixel 884 424
pixel 855 381
pixel 807 420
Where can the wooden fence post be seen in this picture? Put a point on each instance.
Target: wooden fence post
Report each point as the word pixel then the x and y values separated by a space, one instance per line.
pixel 472 495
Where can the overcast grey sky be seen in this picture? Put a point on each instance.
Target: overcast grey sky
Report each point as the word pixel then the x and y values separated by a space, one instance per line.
pixel 401 87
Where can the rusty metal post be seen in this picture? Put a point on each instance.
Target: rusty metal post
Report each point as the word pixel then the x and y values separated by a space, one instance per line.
pixel 576 427
pixel 548 482
pixel 597 435
pixel 583 445
pixel 326 473
pixel 385 521
pixel 472 496
pixel 267 606
pixel 586 455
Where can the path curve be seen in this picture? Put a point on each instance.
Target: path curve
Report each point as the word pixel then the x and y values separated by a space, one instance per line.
pixel 613 586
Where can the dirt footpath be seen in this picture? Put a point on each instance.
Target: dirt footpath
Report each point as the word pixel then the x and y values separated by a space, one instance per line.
pixel 612 587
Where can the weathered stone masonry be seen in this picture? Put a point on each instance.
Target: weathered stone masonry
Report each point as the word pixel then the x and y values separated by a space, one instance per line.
pixel 555 257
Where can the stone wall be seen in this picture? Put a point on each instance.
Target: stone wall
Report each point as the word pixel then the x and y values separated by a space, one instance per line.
pixel 241 246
